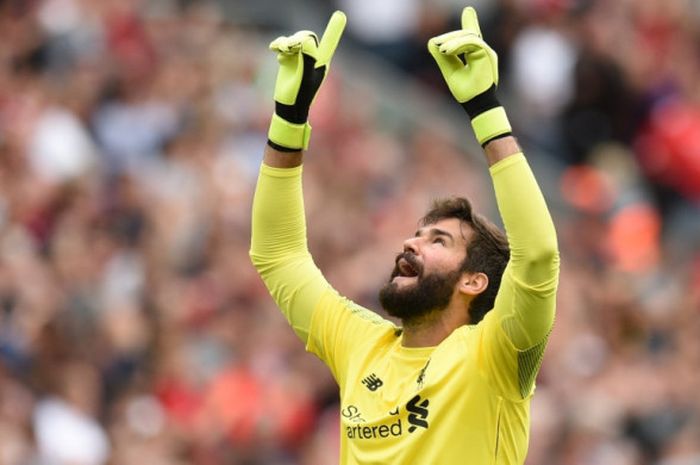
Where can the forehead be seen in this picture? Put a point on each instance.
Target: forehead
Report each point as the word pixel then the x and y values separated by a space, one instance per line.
pixel 458 229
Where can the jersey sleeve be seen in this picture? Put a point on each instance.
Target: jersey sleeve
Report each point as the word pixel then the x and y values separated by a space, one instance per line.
pixel 514 334
pixel 329 324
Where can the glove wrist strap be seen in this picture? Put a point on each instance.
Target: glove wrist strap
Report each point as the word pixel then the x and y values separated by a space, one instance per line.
pixel 288 137
pixel 488 117
pixel 491 124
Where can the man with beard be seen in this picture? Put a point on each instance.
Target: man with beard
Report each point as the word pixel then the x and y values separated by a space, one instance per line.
pixel 453 384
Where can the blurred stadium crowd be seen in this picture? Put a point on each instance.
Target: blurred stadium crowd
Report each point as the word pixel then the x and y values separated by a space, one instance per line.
pixel 133 328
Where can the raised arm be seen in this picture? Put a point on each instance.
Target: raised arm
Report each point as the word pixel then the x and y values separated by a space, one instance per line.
pixel 515 332
pixel 278 242
pixel 526 299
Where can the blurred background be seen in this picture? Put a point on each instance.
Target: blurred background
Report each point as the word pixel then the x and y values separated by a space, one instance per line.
pixel 133 328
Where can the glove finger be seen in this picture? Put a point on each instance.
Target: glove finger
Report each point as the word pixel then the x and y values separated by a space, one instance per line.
pixel 470 21
pixel 442 38
pixel 465 43
pixel 292 44
pixel 331 38
pixel 309 46
pixel 280 45
pixel 448 64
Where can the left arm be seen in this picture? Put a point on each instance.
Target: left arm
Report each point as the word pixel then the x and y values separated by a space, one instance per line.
pixel 513 335
pixel 515 332
pixel 526 299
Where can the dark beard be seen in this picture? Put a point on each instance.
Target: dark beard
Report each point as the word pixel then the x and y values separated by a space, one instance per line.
pixel 429 294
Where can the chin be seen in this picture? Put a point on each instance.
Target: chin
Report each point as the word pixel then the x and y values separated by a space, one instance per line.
pixel 415 296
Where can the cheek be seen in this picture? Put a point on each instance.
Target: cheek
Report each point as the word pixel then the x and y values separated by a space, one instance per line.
pixel 445 260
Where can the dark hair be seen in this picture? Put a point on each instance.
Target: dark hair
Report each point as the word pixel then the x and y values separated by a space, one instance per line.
pixel 487 251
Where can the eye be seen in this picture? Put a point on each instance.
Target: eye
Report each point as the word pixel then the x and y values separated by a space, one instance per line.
pixel 439 240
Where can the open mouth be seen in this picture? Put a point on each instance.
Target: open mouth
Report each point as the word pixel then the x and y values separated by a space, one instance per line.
pixel 406 267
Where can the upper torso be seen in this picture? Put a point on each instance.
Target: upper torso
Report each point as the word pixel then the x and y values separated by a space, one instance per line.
pixel 426 406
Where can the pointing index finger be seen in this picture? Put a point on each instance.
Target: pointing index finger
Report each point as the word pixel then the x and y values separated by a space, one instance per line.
pixel 331 37
pixel 470 22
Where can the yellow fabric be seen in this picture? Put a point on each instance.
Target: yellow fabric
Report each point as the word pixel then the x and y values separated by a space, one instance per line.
pixel 290 135
pixel 457 403
pixel 289 55
pixel 468 64
pixel 490 124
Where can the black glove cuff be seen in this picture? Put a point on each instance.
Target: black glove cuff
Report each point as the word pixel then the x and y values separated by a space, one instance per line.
pixel 295 114
pixel 482 102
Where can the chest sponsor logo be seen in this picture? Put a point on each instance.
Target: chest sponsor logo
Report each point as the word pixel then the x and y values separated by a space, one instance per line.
pixel 352 413
pixel 372 382
pixel 417 409
pixel 375 431
pixel 418 413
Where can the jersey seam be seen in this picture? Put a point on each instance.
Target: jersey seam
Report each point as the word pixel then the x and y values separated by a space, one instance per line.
pixel 498 429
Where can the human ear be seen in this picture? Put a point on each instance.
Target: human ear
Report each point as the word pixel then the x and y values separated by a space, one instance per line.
pixel 473 284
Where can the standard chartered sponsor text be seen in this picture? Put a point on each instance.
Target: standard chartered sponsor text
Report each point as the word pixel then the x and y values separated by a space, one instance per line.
pixel 375 431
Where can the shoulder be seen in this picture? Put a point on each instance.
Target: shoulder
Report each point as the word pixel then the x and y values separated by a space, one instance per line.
pixel 335 310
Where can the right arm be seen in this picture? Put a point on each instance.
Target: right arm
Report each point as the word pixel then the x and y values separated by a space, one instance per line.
pixel 327 322
pixel 278 247
pixel 322 318
pixel 278 243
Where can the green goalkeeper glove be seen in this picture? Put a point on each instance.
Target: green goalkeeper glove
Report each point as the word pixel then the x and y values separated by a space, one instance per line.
pixel 304 63
pixel 470 68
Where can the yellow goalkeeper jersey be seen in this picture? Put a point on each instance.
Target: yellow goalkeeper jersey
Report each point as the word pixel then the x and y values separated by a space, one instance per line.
pixel 464 401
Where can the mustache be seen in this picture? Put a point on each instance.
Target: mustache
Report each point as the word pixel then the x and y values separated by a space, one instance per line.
pixel 411 259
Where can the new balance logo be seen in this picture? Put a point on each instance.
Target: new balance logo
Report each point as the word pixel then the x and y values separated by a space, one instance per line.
pixel 418 413
pixel 372 382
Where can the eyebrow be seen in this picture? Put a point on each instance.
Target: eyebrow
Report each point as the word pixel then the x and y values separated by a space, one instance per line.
pixel 435 232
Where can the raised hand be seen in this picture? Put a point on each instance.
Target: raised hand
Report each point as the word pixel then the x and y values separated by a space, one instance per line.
pixel 470 68
pixel 304 63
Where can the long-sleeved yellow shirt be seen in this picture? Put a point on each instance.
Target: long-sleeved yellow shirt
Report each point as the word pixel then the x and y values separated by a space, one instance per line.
pixel 464 401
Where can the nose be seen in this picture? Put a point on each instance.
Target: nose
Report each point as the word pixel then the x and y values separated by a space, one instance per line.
pixel 410 245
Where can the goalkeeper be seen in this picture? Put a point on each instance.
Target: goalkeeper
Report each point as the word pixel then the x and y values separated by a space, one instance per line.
pixel 453 383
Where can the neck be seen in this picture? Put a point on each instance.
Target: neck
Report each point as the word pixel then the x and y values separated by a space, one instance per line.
pixel 431 329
